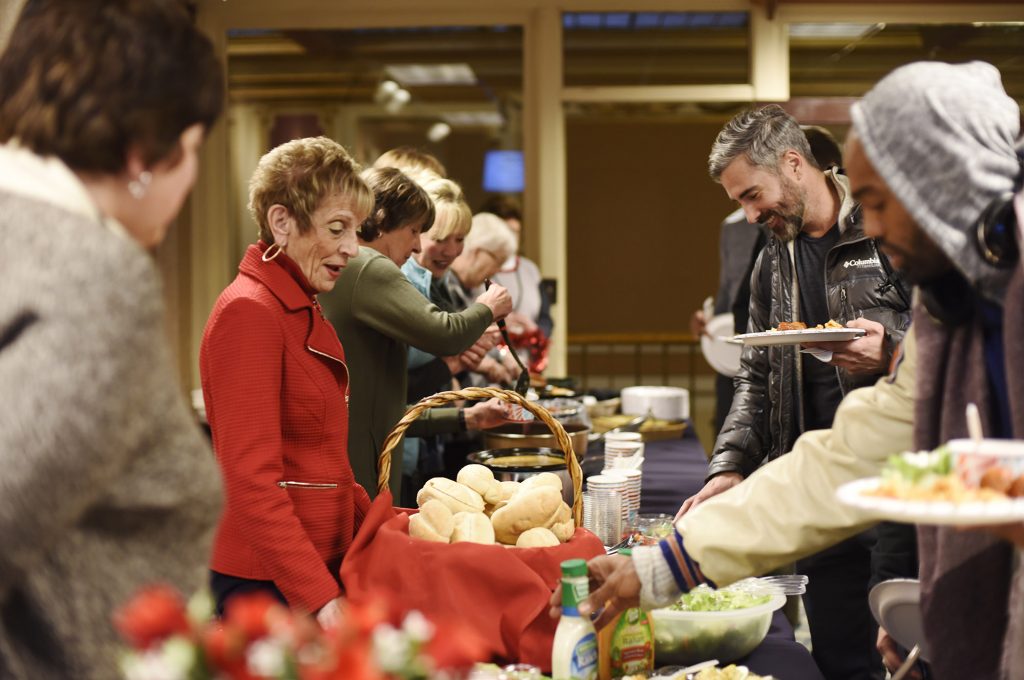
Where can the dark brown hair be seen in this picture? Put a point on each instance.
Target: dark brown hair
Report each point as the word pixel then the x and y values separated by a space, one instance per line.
pixel 505 207
pixel 88 80
pixel 398 201
pixel 824 146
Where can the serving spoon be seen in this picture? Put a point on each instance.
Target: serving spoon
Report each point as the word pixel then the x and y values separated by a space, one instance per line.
pixel 523 381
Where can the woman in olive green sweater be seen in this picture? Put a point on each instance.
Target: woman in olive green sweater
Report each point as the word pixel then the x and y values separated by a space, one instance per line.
pixel 378 314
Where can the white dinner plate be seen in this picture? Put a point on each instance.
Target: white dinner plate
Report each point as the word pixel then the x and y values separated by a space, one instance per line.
pixel 896 605
pixel 719 347
pixel 805 335
pixel 938 513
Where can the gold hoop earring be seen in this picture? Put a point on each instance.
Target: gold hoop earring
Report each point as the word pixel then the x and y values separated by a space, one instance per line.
pixel 267 252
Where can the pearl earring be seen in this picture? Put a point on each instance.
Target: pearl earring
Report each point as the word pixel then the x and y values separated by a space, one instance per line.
pixel 137 187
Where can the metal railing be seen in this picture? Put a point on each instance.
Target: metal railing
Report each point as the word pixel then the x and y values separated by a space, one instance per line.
pixel 585 346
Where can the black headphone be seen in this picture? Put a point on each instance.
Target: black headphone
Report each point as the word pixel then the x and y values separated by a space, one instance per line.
pixel 996 233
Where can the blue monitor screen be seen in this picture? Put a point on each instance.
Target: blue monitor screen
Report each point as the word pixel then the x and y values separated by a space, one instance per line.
pixel 503 171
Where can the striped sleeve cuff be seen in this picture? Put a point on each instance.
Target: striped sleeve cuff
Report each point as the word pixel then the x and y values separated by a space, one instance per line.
pixel 666 571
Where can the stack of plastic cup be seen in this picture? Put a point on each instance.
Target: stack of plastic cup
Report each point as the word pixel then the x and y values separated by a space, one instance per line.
pixel 609 513
pixel 602 515
pixel 633 480
pixel 622 452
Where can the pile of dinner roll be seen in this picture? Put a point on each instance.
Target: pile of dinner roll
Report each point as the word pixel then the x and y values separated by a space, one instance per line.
pixel 479 509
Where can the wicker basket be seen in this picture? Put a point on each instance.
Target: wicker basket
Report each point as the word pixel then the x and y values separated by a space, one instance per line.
pixel 442 398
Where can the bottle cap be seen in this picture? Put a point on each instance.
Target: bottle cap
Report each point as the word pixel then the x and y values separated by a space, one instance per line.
pixel 574 568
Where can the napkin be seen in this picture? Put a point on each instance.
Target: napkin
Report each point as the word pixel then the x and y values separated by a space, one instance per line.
pixel 822 355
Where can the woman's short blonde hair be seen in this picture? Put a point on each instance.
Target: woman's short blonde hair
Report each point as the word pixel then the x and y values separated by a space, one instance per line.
pixel 452 215
pixel 492 234
pixel 410 160
pixel 299 175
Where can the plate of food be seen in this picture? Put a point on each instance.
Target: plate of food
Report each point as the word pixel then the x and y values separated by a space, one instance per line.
pixel 927 487
pixel 796 332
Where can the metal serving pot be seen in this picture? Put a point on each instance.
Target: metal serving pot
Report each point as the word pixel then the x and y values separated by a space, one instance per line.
pixel 535 434
pixel 516 464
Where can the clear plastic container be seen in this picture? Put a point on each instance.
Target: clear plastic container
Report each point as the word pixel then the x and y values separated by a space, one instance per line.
pixel 683 638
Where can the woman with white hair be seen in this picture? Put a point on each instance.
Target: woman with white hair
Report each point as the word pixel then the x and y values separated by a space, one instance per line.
pixel 490 242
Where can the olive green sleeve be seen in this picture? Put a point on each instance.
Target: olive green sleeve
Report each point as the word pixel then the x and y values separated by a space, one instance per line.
pixel 436 421
pixel 386 301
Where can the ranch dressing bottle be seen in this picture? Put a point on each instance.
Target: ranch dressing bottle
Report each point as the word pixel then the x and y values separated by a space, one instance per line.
pixel 574 653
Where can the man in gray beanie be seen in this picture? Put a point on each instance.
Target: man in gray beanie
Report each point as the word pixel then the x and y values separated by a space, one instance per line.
pixel 932 146
pixel 960 138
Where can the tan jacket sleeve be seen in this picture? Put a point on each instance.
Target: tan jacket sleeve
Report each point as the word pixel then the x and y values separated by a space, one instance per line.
pixel 788 508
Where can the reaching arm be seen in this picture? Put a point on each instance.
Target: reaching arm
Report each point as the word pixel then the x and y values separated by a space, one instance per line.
pixel 385 300
pixel 793 498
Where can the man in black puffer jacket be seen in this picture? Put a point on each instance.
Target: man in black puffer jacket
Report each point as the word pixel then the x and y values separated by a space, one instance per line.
pixel 817 266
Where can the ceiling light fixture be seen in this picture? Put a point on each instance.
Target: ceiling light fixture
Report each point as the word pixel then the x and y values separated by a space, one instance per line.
pixel 385 91
pixel 474 119
pixel 399 99
pixel 413 75
pixel 438 131
pixel 829 30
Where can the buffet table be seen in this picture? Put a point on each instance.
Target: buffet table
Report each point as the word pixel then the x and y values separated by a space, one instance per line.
pixel 673 471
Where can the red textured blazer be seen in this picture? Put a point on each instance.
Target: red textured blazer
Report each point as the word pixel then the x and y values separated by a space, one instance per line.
pixel 276 391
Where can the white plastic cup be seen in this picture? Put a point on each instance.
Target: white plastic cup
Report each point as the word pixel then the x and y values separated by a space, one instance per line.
pixel 972 459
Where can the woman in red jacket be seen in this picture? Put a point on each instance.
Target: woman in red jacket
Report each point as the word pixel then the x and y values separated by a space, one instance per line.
pixel 276 385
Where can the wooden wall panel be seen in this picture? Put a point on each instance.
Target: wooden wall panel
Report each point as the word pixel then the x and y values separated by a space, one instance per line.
pixel 643 222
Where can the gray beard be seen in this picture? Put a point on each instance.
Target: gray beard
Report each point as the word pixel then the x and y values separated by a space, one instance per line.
pixel 791 228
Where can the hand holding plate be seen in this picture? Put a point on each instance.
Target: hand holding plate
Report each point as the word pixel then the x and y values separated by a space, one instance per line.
pixel 865 354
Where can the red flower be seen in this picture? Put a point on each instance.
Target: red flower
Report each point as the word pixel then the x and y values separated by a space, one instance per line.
pixel 224 649
pixel 355 662
pixel 455 645
pixel 358 619
pixel 154 614
pixel 253 614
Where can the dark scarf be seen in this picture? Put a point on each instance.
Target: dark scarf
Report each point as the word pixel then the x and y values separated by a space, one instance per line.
pixel 967 576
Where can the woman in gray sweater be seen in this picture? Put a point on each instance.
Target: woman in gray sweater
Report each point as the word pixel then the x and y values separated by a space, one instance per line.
pixel 106 483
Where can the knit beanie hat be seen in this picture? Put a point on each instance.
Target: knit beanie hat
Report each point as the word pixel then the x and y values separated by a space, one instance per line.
pixel 942 137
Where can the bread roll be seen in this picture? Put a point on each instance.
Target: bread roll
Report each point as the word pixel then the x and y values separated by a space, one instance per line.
pixel 563 531
pixel 508 489
pixel 434 522
pixel 472 527
pixel 541 479
pixel 563 514
pixel 528 509
pixel 457 497
pixel 538 537
pixel 480 479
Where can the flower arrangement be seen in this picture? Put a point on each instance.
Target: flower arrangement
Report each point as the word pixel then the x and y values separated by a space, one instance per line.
pixel 259 638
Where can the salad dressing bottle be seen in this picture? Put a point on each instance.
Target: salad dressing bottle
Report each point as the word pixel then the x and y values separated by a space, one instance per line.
pixel 574 653
pixel 626 644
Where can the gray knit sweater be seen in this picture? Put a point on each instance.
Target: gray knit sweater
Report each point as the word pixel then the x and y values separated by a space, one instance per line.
pixel 106 484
